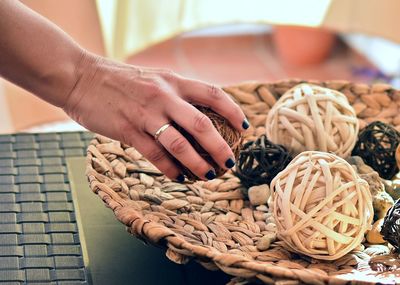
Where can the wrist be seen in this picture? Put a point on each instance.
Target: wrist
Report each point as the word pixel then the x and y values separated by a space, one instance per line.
pixel 84 75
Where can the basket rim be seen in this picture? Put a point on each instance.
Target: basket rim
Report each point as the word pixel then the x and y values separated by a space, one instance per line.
pixel 169 238
pixel 232 264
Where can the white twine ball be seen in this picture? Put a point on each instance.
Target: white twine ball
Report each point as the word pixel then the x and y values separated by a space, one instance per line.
pixel 322 208
pixel 310 117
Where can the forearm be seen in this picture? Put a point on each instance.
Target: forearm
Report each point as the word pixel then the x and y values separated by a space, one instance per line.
pixel 36 55
pixel 117 100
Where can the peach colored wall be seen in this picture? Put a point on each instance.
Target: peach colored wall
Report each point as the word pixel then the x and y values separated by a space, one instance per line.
pixel 79 19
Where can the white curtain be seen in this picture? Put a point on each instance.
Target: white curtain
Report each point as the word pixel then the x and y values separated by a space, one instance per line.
pixel 132 25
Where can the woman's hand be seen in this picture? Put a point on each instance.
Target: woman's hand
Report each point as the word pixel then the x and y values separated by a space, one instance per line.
pixel 117 100
pixel 130 104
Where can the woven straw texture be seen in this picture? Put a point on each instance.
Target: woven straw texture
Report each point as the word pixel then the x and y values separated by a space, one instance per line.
pixel 337 189
pixel 212 223
pixel 310 117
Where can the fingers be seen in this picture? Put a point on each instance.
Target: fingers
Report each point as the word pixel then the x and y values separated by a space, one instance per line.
pixel 178 146
pixel 202 129
pixel 157 155
pixel 204 94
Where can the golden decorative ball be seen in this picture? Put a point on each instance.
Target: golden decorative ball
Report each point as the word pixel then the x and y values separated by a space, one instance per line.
pixel 310 117
pixel 322 208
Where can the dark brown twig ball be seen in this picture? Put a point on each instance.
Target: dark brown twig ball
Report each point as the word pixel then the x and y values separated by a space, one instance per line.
pixel 377 145
pixel 232 136
pixel 391 226
pixel 260 161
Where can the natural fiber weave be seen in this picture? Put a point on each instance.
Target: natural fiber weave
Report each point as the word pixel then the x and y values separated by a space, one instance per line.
pixel 260 161
pixel 213 224
pixel 310 117
pixel 376 145
pixel 321 206
pixel 391 226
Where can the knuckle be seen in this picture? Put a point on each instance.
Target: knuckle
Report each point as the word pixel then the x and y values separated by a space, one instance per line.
pixel 156 155
pixel 154 90
pixel 179 145
pixel 153 95
pixel 168 74
pixel 132 119
pixel 202 123
pixel 127 133
pixel 215 92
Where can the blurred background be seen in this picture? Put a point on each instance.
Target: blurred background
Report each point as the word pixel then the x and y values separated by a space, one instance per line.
pixel 223 42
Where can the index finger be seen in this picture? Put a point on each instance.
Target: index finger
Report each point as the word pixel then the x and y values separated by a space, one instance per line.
pixel 208 95
pixel 198 125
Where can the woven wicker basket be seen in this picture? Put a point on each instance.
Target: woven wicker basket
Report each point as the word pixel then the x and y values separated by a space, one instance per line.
pixel 212 223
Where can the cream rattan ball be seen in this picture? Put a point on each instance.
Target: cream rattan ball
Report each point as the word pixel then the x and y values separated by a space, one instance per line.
pixel 310 117
pixel 322 208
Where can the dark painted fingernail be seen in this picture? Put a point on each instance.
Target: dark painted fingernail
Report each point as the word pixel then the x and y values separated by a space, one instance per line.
pixel 230 163
pixel 180 178
pixel 245 124
pixel 210 175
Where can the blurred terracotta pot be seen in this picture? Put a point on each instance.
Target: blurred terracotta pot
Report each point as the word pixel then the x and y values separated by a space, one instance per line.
pixel 303 46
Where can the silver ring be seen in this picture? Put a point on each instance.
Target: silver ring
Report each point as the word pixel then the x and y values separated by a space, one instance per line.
pixel 161 130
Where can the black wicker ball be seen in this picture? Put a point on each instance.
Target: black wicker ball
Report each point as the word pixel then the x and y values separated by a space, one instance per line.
pixel 391 226
pixel 260 161
pixel 377 145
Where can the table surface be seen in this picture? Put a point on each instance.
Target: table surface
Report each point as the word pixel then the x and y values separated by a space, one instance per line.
pixel 54 230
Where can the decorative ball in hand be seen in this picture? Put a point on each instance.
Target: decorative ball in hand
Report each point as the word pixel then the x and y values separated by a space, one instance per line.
pixel 322 208
pixel 260 161
pixel 309 117
pixel 377 145
pixel 391 226
pixel 232 136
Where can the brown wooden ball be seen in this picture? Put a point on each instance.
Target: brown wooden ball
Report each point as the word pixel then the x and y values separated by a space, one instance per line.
pixel 232 136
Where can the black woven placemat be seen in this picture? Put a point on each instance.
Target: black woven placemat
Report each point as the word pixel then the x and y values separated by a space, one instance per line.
pixel 39 240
